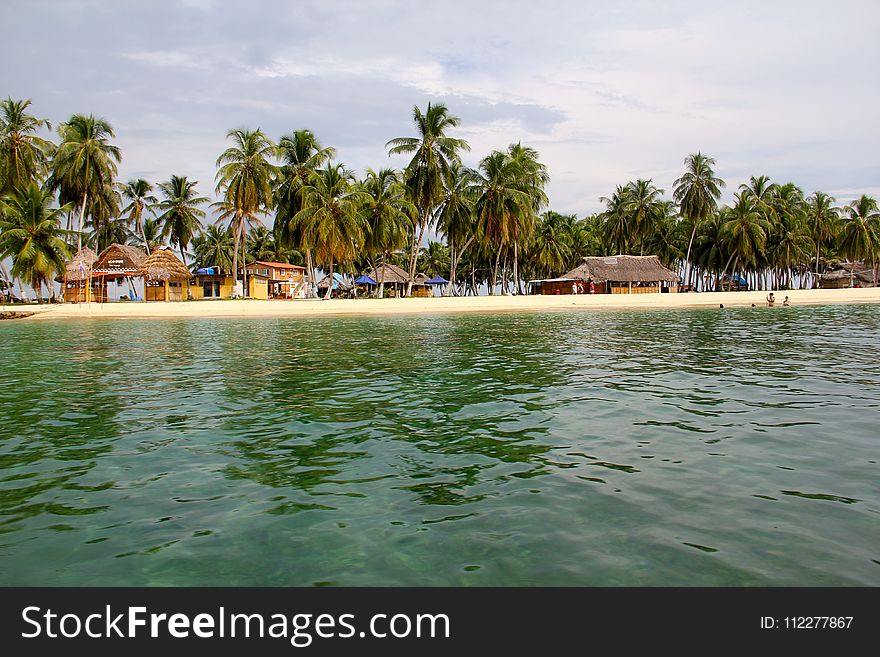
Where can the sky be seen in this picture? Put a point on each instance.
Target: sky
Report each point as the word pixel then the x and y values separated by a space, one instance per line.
pixel 607 92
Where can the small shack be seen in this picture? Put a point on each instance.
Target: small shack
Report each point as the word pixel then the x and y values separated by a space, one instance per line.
pixel 393 280
pixel 620 274
pixel 119 263
pixel 340 286
pixel 77 283
pixel 847 274
pixel 165 277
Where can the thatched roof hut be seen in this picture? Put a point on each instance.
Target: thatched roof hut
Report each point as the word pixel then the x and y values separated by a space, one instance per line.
pixel 840 274
pixel 119 260
pixel 163 265
pixel 79 267
pixel 621 268
pixel 388 273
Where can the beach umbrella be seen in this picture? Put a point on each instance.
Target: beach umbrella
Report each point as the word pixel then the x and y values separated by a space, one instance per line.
pixel 364 280
pixel 437 280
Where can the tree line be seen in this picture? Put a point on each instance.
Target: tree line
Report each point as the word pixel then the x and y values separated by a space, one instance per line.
pixel 290 201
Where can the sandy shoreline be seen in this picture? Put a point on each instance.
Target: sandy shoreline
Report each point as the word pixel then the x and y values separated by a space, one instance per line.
pixel 486 304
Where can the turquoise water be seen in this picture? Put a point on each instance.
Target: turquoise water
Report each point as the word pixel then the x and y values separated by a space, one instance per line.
pixel 687 447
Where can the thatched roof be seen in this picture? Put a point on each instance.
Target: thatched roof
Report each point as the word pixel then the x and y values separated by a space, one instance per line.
pixel 420 279
pixel 388 273
pixel 163 265
pixel 120 259
pixel 79 267
pixel 623 268
pixel 340 282
pixel 858 270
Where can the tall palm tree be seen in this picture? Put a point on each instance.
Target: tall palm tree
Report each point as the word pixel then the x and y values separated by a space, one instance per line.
pixel 618 228
pixel 824 219
pixel 301 154
pixel 137 192
pixel 552 245
pixel 388 216
pixel 531 176
pixel 244 178
pixel 433 152
pixel 745 232
pixel 23 156
pixel 331 220
pixel 84 166
pixel 503 206
pixel 697 193
pixel 455 219
pixel 434 258
pixel 643 205
pixel 31 234
pixel 860 233
pixel 180 211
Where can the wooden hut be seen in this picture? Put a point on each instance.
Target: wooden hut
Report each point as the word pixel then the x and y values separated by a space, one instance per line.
pixel 847 274
pixel 621 274
pixel 394 281
pixel 166 278
pixel 117 262
pixel 78 284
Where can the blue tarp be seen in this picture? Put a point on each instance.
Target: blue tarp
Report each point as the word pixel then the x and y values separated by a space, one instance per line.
pixel 208 271
pixel 437 280
pixel 364 280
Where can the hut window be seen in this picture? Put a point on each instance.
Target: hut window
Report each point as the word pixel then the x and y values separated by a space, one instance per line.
pixel 264 272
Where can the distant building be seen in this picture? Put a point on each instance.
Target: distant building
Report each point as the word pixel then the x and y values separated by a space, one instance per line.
pixel 621 274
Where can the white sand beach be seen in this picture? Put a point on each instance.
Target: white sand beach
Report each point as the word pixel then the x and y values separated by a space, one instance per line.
pixel 484 304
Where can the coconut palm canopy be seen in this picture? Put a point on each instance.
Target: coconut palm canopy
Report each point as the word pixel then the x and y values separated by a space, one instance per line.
pixel 621 268
pixel 163 265
pixel 79 267
pixel 121 260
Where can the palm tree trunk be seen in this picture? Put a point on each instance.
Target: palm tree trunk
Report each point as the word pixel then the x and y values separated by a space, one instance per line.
pixel 329 281
pixel 235 256
pixel 515 269
pixel 144 236
pixel 244 287
pixel 189 295
pixel 413 258
pixel 687 258
pixel 382 278
pixel 82 215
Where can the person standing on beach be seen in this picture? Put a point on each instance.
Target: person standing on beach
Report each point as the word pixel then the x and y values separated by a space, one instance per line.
pixel 574 288
pixel 771 300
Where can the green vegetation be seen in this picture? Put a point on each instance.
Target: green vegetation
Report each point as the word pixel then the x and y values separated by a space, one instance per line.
pixel 290 202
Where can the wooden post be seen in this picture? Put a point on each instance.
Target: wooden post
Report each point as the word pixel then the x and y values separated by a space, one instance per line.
pixel 630 287
pixel 166 289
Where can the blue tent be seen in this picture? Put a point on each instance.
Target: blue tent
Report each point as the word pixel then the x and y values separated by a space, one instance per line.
pixel 364 280
pixel 208 271
pixel 437 280
pixel 338 281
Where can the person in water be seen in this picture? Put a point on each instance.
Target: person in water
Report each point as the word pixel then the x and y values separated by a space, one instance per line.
pixel 771 300
pixel 786 302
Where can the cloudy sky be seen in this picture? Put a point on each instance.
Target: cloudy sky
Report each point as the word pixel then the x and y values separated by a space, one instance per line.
pixel 606 91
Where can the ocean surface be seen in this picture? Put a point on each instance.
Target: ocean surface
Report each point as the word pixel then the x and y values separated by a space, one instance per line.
pixel 734 447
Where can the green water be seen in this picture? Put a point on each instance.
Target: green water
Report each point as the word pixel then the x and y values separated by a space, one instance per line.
pixel 704 447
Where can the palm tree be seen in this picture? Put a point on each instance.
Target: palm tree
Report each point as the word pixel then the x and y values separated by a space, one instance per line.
pixel 433 152
pixel 697 193
pixel 531 176
pixel 85 165
pixel 824 219
pixel 617 224
pixel 180 212
pixel 503 207
pixel 643 205
pixel 137 192
pixel 860 233
pixel 387 216
pixel 455 219
pixel 213 247
pixel 434 259
pixel 745 232
pixel 330 220
pixel 552 245
pixel 23 156
pixel 244 177
pixel 31 234
pixel 301 154
pixel 151 237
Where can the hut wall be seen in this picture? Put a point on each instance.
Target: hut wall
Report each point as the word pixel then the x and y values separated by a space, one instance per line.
pixel 834 283
pixel 219 287
pixel 258 288
pixel 557 287
pixel 623 288
pixel 421 291
pixel 77 291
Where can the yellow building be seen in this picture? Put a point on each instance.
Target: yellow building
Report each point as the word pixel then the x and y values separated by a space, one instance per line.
pixel 214 283
pixel 166 278
pixel 283 281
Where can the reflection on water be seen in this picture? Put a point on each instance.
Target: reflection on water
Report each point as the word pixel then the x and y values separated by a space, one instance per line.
pixel 604 448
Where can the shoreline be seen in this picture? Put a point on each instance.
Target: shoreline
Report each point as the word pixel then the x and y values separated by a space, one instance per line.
pixel 437 305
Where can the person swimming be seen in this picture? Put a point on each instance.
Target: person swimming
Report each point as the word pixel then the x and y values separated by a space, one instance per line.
pixel 771 300
pixel 786 302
